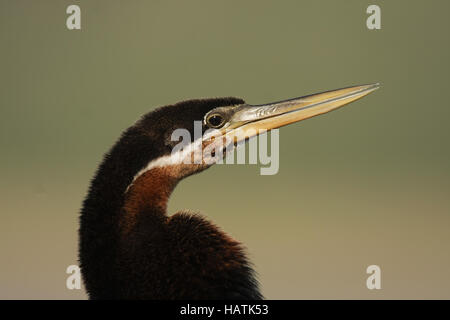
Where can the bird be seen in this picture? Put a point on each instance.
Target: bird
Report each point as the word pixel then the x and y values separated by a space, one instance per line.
pixel 131 248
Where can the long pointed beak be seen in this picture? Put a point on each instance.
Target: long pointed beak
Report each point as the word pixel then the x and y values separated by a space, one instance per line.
pixel 246 121
pixel 239 122
pixel 249 118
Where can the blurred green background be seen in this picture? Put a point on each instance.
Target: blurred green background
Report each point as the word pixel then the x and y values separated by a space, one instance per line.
pixel 367 184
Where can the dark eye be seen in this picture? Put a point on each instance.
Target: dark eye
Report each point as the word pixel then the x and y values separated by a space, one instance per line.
pixel 215 120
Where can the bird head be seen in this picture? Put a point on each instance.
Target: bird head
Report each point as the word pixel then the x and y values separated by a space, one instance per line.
pixel 220 124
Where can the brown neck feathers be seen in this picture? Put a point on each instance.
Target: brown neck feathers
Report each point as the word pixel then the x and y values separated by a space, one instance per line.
pixel 148 194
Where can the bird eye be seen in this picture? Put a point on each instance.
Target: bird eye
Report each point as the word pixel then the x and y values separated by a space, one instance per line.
pixel 215 120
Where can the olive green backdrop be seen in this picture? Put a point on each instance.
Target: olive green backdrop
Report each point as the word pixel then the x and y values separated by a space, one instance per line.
pixel 367 184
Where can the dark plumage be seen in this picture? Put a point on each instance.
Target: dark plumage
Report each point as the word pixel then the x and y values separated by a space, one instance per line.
pixel 131 249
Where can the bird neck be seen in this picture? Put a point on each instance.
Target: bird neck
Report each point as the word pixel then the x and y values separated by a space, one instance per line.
pixel 148 195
